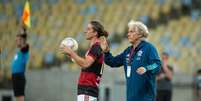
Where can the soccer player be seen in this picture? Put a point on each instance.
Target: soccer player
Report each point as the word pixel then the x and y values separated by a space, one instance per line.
pixel 19 65
pixel 91 65
pixel 141 63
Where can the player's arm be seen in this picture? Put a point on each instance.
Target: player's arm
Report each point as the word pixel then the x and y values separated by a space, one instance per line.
pixel 88 60
pixel 83 62
pixel 94 52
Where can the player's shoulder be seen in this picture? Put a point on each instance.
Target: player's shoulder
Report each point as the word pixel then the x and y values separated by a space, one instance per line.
pixel 96 48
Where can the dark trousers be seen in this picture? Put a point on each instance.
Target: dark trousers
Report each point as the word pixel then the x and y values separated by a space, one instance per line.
pixel 164 95
pixel 19 82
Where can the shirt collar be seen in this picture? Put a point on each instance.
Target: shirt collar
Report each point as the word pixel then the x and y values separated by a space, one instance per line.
pixel 140 45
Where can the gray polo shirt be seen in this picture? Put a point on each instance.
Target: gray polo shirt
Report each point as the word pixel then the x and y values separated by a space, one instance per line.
pixel 165 83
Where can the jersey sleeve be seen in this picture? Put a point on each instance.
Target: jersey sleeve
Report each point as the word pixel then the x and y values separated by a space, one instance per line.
pixel 95 51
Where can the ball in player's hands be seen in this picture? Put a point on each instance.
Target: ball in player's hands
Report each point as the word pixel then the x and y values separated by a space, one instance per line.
pixel 69 42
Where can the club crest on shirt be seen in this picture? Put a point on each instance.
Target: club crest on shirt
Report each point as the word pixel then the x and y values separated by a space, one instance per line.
pixel 139 54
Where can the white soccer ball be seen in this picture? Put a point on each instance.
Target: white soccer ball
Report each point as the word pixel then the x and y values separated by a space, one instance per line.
pixel 69 42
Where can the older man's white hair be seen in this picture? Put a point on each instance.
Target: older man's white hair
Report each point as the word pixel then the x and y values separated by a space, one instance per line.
pixel 142 27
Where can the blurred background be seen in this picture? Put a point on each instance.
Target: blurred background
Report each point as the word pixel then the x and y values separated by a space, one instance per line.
pixel 175 27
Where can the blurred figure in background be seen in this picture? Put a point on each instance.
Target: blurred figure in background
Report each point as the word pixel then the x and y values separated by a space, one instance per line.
pixel 197 86
pixel 91 65
pixel 19 65
pixel 164 78
pixel 141 63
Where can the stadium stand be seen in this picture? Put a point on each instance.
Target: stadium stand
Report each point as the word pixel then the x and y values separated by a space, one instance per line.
pixel 174 29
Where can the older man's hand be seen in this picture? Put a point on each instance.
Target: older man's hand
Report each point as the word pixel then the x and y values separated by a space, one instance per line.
pixel 141 70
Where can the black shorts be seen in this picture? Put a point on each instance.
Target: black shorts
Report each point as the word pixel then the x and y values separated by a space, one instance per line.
pixel 18 84
pixel 88 90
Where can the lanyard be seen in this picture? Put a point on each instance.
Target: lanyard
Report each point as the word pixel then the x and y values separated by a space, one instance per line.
pixel 131 55
pixel 128 70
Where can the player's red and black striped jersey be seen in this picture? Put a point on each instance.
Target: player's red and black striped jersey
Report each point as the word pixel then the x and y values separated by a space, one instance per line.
pixel 90 77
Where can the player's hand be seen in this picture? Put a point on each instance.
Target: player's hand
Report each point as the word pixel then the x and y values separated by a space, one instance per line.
pixel 65 50
pixel 141 70
pixel 104 44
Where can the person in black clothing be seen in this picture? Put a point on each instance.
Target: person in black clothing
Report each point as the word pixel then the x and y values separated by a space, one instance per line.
pixel 164 78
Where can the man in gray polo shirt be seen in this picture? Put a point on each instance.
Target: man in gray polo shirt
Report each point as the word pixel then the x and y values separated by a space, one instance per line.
pixel 164 78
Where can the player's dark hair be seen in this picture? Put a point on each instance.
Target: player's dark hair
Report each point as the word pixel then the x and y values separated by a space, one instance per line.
pixel 99 28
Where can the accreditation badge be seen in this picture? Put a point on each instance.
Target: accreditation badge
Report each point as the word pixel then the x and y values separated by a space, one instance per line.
pixel 128 72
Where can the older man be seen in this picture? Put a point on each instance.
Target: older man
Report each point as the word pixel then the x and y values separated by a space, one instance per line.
pixel 141 63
